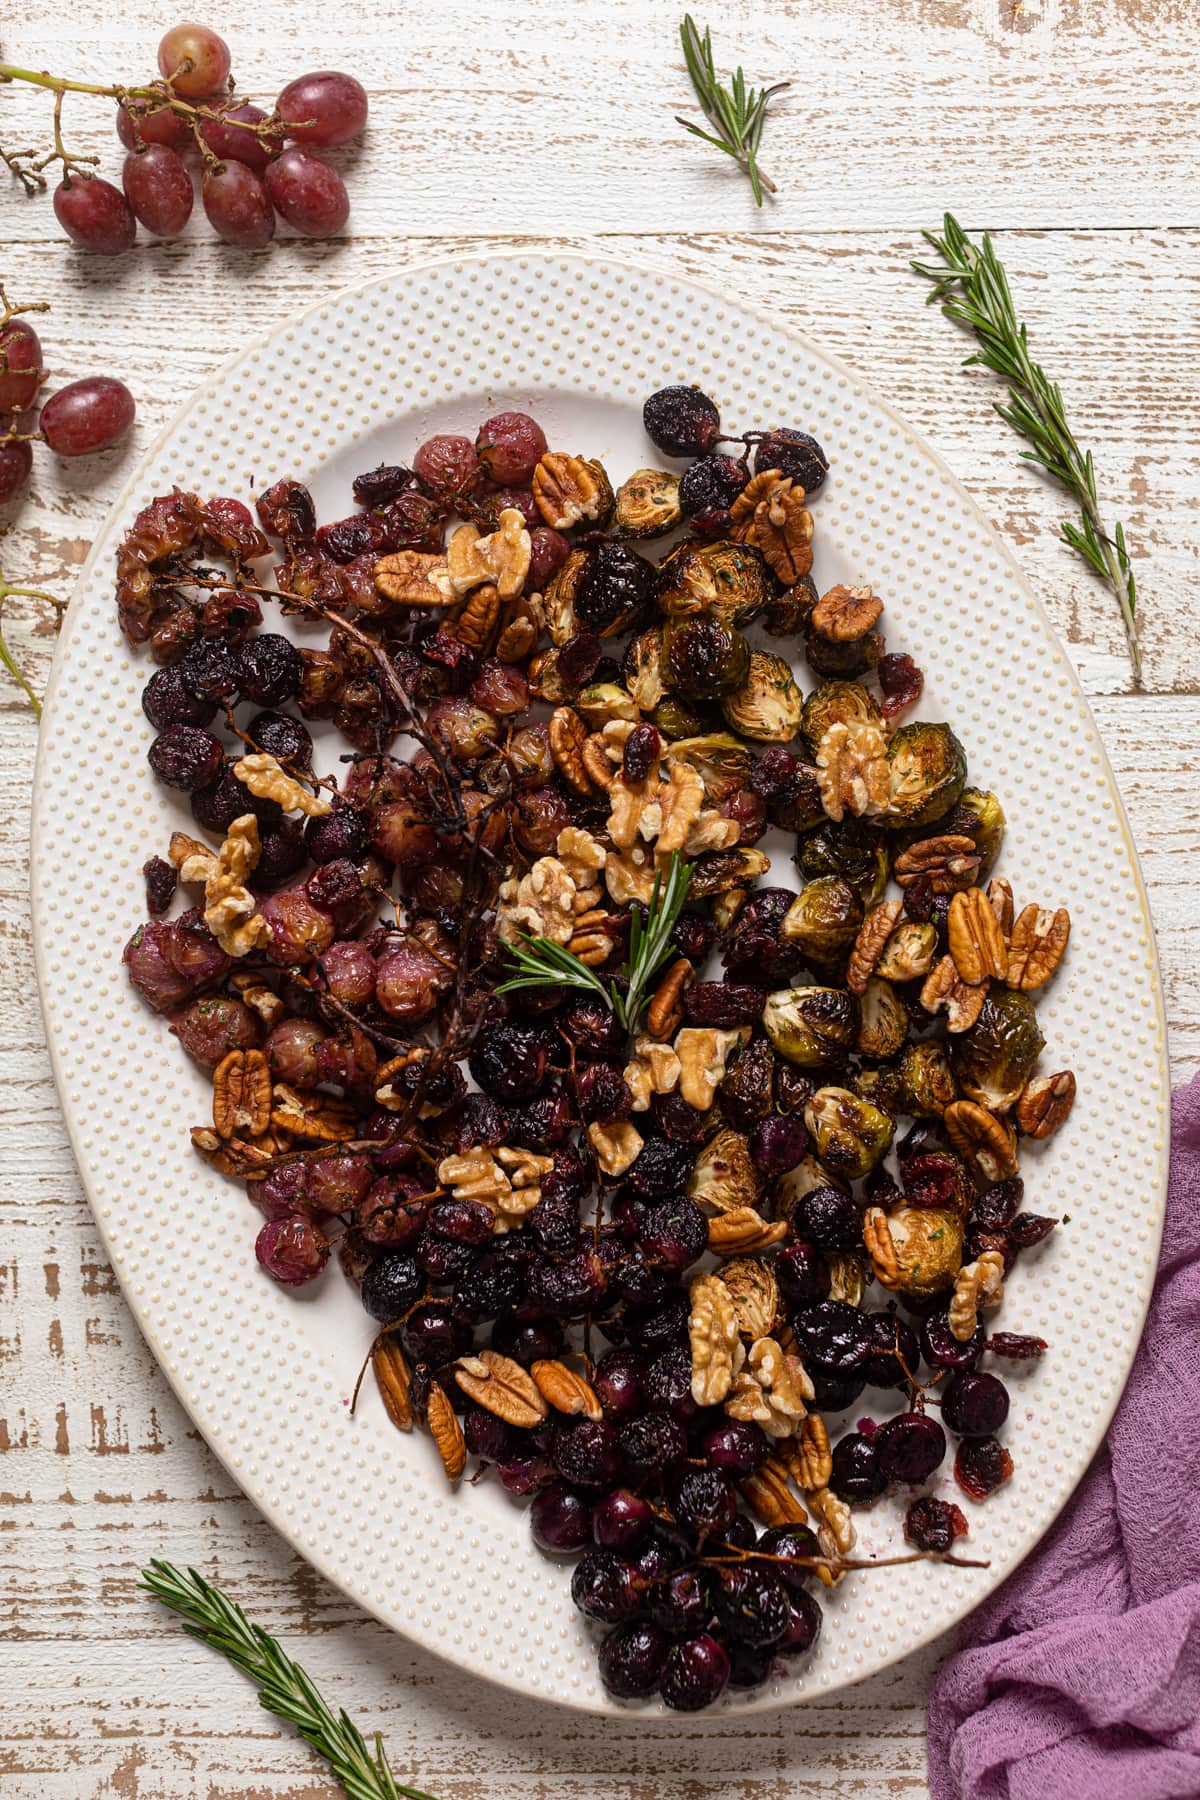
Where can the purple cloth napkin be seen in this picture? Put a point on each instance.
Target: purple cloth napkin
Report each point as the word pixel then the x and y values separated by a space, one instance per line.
pixel 1080 1678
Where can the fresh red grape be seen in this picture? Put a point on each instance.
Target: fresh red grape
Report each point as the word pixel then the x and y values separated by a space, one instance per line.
pixel 232 143
pixel 87 415
pixel 95 215
pixel 20 366
pixel 324 108
pixel 16 460
pixel 309 194
pixel 206 54
pixel 159 189
pixel 238 206
pixel 161 126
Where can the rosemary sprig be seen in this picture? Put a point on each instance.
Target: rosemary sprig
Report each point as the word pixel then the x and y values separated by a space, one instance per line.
pixel 284 1688
pixel 972 287
pixel 541 963
pixel 736 113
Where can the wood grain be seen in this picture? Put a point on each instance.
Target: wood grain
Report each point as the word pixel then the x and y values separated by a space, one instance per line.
pixel 1065 125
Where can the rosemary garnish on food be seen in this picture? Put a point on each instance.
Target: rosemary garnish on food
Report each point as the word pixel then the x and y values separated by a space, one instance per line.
pixel 736 113
pixel 973 289
pixel 540 962
pixel 284 1688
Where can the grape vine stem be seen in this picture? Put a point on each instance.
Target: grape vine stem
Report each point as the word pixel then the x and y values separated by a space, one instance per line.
pixel 13 591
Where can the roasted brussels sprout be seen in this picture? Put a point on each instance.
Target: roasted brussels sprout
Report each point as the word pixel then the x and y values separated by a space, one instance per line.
pixel 909 952
pixel 926 1083
pixel 722 764
pixel 838 660
pixel 850 1135
pixel 805 1178
pixel 642 668
pixel 720 870
pixel 927 771
pixel 823 921
pixel 837 703
pixel 647 504
pixel 929 1249
pixel 703 658
pixel 767 706
pixel 559 598
pixel 979 816
pixel 883 1023
pixel 995 1058
pixel 724 1175
pixel 602 701
pixel 787 614
pixel 675 719
pixel 858 854
pixel 730 580
pixel 815 1027
pixel 880 1086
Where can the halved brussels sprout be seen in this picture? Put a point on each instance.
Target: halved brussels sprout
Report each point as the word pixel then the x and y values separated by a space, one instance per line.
pixel 842 661
pixel 927 771
pixel 727 906
pixel 724 1175
pixel 722 764
pixel 880 1086
pixel 823 921
pixel 908 953
pixel 995 1058
pixel 857 853
pixel 720 870
pixel 602 701
pixel 883 1023
pixel 788 613
pixel 642 668
pixel 730 580
pixel 850 1135
pixel 675 719
pixel 647 504
pixel 929 1249
pixel 838 703
pixel 767 706
pixel 804 1179
pixel 813 1026
pixel 559 598
pixel 926 1083
pixel 605 500
pixel 703 658
pixel 979 816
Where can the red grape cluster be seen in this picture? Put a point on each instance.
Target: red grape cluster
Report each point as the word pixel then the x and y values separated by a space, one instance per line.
pixel 254 165
pixel 88 415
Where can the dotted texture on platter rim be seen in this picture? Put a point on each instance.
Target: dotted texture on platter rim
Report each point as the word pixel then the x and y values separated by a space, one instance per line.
pixel 266 1374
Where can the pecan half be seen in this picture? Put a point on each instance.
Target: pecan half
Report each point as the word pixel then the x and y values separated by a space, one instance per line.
pixel 1039 938
pixel 568 734
pixel 877 1236
pixel 809 1456
pixel 446 1431
pixel 986 1144
pixel 1000 897
pixel 566 1391
pixel 501 1386
pixel 951 862
pixel 770 1496
pixel 479 621
pixel 845 614
pixel 743 1230
pixel 314 1118
pixel 874 933
pixel 976 940
pixel 415 578
pixel 944 990
pixel 835 1533
pixel 244 1160
pixel 1045 1103
pixel 665 1013
pixel 242 1094
pixel 759 488
pixel 566 490
pixel 713 1335
pixel 590 940
pixel 393 1380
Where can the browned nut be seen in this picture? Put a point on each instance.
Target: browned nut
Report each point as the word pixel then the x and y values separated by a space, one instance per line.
pixel 951 863
pixel 315 1119
pixel 393 1380
pixel 1001 896
pixel 1045 1102
pixel 873 934
pixel 502 1387
pixel 665 1014
pixel 242 1094
pixel 987 1145
pixel 944 990
pixel 782 528
pixel 239 1157
pixel 976 941
pixel 415 578
pixel 845 614
pixel 770 1496
pixel 590 941
pixel 877 1236
pixel 477 623
pixel 742 1231
pixel 1036 947
pixel 760 487
pixel 568 734
pixel 566 490
pixel 596 761
pixel 447 1433
pixel 566 1391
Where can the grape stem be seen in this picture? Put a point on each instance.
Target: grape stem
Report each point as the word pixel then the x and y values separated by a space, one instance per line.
pixel 10 591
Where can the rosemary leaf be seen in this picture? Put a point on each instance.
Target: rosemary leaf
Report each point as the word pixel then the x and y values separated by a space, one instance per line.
pixel 736 113
pixel 284 1688
pixel 972 287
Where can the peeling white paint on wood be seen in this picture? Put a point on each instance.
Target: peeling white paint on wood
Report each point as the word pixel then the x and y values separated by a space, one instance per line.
pixel 1059 122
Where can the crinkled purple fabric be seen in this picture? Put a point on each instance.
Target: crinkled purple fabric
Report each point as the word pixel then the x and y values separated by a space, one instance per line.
pixel 1080 1678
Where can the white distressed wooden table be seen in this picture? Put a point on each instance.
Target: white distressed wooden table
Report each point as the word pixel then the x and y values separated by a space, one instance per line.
pixel 1068 128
